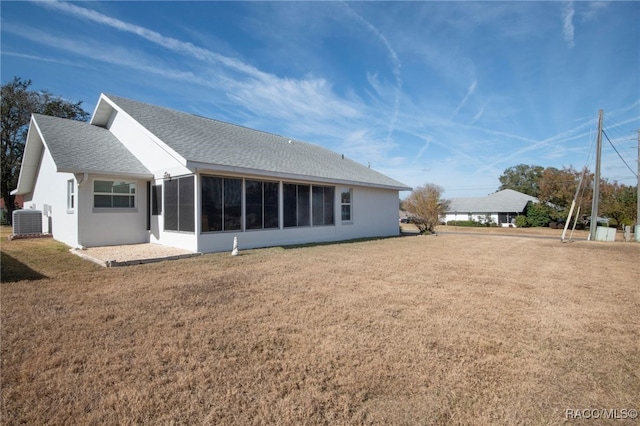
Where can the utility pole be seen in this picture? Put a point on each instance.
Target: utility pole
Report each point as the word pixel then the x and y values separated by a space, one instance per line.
pixel 596 182
pixel 637 230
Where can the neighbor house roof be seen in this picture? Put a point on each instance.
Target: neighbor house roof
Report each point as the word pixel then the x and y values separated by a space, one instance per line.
pixel 506 201
pixel 76 147
pixel 208 143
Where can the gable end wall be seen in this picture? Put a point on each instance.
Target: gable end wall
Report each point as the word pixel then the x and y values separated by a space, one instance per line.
pixel 50 188
pixel 150 153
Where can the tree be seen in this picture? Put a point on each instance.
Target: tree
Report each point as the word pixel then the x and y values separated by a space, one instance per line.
pixel 558 187
pixel 538 214
pixel 426 205
pixel 522 178
pixel 18 103
pixel 618 202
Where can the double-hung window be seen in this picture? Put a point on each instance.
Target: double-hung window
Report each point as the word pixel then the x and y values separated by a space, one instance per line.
pixel 71 196
pixel 114 194
pixel 346 204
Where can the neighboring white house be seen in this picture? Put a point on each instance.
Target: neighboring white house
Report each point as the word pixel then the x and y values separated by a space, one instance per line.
pixel 141 173
pixel 500 208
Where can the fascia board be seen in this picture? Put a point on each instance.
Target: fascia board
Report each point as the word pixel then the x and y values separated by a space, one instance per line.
pixel 33 149
pixel 198 167
pixel 100 117
pixel 144 176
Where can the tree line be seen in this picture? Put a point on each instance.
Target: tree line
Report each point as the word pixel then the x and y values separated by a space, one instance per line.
pixel 556 189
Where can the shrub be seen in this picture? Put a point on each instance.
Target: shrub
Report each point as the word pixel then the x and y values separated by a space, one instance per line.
pixel 426 206
pixel 521 221
pixel 464 223
pixel 537 215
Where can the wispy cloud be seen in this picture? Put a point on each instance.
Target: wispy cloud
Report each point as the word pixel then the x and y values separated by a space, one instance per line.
pixel 255 89
pixel 169 43
pixel 567 24
pixel 397 66
pixel 111 54
pixel 40 58
pixel 592 10
pixel 479 114
pixel 470 91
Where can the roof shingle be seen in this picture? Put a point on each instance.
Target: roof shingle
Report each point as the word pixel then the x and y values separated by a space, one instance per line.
pixel 212 142
pixel 77 146
pixel 506 201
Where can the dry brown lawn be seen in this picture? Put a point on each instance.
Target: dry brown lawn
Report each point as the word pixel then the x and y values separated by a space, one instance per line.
pixel 453 329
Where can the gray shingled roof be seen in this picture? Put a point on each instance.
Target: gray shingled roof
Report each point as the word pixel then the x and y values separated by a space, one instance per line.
pixel 505 201
pixel 77 147
pixel 212 142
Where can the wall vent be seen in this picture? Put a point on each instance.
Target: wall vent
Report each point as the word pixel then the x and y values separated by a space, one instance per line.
pixel 27 222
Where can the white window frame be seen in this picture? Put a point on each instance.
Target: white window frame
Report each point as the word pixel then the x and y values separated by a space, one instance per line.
pixel 348 204
pixel 113 208
pixel 71 196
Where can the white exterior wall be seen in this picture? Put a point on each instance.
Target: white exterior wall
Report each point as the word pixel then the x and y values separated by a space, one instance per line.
pixel 478 217
pixel 51 188
pixel 152 154
pixel 104 227
pixel 374 214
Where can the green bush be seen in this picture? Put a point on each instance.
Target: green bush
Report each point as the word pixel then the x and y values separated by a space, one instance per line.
pixel 538 215
pixel 464 223
pixel 521 221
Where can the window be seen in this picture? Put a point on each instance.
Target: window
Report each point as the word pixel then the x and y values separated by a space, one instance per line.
pixel 221 204
pixel 156 200
pixel 261 204
pixel 71 201
pixel 114 194
pixel 296 205
pixel 345 204
pixel 322 205
pixel 179 208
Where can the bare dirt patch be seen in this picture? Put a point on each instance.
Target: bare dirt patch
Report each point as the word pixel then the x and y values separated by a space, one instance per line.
pixel 454 329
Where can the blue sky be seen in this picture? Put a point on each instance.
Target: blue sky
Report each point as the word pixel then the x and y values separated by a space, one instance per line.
pixel 450 93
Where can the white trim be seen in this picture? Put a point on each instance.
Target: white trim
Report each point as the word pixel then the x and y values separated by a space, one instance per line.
pixel 199 167
pixel 113 208
pixel 350 204
pixel 71 196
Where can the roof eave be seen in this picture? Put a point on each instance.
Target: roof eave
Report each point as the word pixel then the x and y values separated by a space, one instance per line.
pixel 208 167
pixel 136 175
pixel 30 159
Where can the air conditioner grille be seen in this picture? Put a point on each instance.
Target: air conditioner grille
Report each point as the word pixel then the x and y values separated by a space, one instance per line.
pixel 27 222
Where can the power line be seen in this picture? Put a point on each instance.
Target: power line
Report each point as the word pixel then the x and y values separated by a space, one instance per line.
pixel 618 133
pixel 616 150
pixel 624 127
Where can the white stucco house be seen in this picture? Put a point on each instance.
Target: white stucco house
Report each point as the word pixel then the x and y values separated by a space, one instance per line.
pixel 139 173
pixel 500 208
